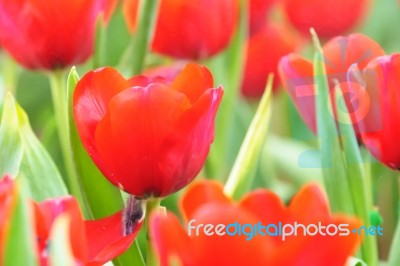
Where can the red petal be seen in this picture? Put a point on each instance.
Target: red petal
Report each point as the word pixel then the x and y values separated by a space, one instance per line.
pixel 193 81
pixel 309 204
pixel 186 147
pixel 341 52
pixel 318 249
pixel 130 9
pixel 259 11
pixel 136 124
pixel 192 29
pixel 227 249
pixel 50 210
pixel 170 239
pixel 39 22
pixel 296 74
pixel 200 193
pixel 264 50
pixel 273 210
pixel 381 130
pixel 91 97
pixel 342 14
pixel 106 240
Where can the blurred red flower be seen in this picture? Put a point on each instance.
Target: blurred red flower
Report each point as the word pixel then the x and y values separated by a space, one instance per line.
pixel 379 128
pixel 259 10
pixel 328 17
pixel 340 53
pixel 206 203
pixel 50 34
pixel 92 242
pixel 190 29
pixel 264 50
pixel 148 135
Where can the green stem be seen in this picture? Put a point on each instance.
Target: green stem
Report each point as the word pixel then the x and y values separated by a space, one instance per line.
pixel 60 104
pixel 136 52
pixel 151 257
pixel 394 254
pixel 9 70
pixel 99 56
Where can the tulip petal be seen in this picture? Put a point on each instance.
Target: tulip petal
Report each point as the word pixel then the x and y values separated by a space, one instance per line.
pixel 341 52
pixel 309 200
pixel 106 240
pixel 380 130
pixel 47 211
pixel 273 210
pixel 318 249
pixel 170 239
pixel 136 123
pixel 39 22
pixel 245 247
pixel 201 193
pixel 186 147
pixel 297 77
pixel 91 97
pixel 199 78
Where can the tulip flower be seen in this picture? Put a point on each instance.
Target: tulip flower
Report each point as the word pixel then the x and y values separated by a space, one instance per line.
pixel 264 50
pixel 92 242
pixel 50 34
pixel 329 17
pixel 380 128
pixel 258 12
pixel 204 203
pixel 190 29
pixel 148 135
pixel 340 53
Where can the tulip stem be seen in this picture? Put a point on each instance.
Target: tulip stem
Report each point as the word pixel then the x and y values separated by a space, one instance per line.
pixel 9 70
pixel 152 205
pixel 60 105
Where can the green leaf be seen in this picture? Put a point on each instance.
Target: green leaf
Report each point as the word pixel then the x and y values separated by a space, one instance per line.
pixel 227 69
pixel 22 154
pixel 333 164
pixel 101 196
pixel 10 141
pixel 19 245
pixel 352 261
pixel 241 176
pixel 137 50
pixel 37 167
pixel 356 175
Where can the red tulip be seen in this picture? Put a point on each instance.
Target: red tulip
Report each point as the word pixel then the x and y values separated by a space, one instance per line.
pixel 340 53
pixel 380 129
pixel 190 29
pixel 206 204
pixel 329 17
pixel 149 136
pixel 92 242
pixel 50 34
pixel 259 10
pixel 264 50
